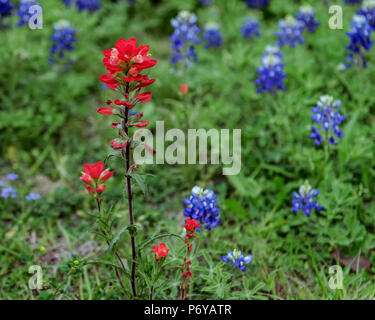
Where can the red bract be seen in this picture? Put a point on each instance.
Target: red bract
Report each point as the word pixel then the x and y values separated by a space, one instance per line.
pixel 190 226
pixel 105 111
pixel 145 81
pixel 124 103
pixel 183 89
pixel 144 97
pixel 109 80
pixel 94 175
pixel 160 251
pixel 141 124
pixel 118 144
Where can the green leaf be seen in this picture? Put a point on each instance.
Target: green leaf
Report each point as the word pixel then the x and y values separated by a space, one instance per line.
pixel 115 153
pixel 117 238
pixel 140 182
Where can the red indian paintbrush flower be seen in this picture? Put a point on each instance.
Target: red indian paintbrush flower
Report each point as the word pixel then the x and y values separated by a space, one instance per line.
pixel 160 251
pixel 94 175
pixel 125 64
pixel 184 89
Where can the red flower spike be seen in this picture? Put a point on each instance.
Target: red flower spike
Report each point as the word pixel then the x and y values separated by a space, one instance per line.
pixel 191 225
pixel 184 89
pixel 160 251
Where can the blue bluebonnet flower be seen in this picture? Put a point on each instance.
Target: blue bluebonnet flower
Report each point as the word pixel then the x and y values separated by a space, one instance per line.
pixel 62 39
pixel 290 32
pixel 257 3
pixel 212 36
pixel 368 10
pixel 250 29
pixel 206 2
pixel 305 199
pixel 8 192
pixel 184 37
pixel 6 8
pixel 352 1
pixel 271 73
pixel 1 183
pixel 326 113
pixel 12 176
pixel 359 37
pixel 237 259
pixel 33 196
pixel 23 11
pixel 306 15
pixel 202 206
pixel 84 5
pixel 89 5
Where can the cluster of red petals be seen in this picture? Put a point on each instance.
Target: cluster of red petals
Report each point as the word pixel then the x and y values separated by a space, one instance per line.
pixel 94 176
pixel 190 226
pixel 184 89
pixel 160 251
pixel 125 61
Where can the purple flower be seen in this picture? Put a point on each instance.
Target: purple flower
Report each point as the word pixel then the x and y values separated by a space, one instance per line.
pixel 352 1
pixel 326 113
pixel 212 36
pixel 257 3
pixel 359 37
pixel 237 259
pixel 368 11
pixel 305 199
pixel 6 8
pixel 12 176
pixel 290 32
pixel 206 2
pixel 306 15
pixel 202 206
pixel 271 73
pixel 184 37
pixel 23 12
pixel 250 29
pixel 33 196
pixel 8 192
pixel 62 39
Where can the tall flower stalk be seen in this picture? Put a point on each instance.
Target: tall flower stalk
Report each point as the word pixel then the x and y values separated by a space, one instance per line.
pixel 124 64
